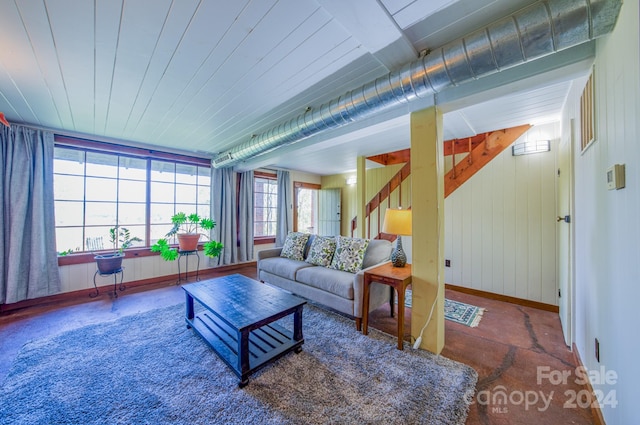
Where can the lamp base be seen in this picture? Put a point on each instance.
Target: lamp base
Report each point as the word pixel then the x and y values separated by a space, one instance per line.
pixel 398 257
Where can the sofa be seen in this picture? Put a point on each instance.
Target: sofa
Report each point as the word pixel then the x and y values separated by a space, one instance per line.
pixel 332 278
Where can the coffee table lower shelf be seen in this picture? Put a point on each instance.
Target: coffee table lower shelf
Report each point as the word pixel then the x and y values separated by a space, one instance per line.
pixel 265 344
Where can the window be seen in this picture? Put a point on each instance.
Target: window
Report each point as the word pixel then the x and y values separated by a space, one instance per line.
pixel 587 115
pixel 265 206
pixel 95 190
pixel 305 207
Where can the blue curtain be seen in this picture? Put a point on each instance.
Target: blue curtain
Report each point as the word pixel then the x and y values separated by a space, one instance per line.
pixel 28 256
pixel 245 217
pixel 223 197
pixel 285 207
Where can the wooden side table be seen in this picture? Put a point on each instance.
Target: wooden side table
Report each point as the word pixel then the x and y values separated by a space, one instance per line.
pixel 396 277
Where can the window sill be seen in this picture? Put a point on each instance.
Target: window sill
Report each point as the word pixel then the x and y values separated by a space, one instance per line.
pixel 88 257
pixel 264 240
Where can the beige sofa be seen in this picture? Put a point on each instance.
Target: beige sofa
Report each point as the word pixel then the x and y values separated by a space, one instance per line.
pixel 339 290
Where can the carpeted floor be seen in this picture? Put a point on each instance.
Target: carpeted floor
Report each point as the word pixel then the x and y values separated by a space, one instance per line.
pixel 149 368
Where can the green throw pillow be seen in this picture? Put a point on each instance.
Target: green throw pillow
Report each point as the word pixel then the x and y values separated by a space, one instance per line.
pixel 321 251
pixel 293 247
pixel 349 254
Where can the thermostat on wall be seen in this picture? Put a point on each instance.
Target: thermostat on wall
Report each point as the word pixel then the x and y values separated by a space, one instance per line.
pixel 615 177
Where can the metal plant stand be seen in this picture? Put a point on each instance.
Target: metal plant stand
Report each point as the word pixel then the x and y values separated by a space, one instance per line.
pixel 115 281
pixel 186 254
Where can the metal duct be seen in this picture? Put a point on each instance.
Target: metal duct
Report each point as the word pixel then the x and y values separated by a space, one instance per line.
pixel 538 30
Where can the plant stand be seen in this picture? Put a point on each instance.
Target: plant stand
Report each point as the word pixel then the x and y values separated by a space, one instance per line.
pixel 115 282
pixel 186 254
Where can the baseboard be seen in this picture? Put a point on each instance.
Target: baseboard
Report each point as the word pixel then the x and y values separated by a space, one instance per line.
pixel 83 294
pixel 505 298
pixel 595 410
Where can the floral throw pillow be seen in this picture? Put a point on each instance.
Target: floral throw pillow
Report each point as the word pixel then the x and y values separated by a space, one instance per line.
pixel 321 251
pixel 349 254
pixel 293 247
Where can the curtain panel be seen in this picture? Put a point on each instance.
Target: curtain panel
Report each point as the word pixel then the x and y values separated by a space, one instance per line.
pixel 28 256
pixel 223 196
pixel 285 207
pixel 245 216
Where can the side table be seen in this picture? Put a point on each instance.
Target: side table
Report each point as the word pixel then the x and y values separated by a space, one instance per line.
pixel 396 277
pixel 186 254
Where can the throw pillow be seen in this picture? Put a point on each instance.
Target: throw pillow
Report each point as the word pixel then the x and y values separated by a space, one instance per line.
pixel 293 247
pixel 349 254
pixel 321 251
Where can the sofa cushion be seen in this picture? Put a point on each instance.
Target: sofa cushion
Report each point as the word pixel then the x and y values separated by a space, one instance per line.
pixel 284 267
pixel 294 245
pixel 378 251
pixel 322 250
pixel 337 282
pixel 349 254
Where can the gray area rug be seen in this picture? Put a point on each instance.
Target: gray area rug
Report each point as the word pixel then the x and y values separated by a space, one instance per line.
pixel 150 369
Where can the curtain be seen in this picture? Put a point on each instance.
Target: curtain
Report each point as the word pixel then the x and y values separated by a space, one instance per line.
pixel 223 196
pixel 285 207
pixel 28 256
pixel 245 217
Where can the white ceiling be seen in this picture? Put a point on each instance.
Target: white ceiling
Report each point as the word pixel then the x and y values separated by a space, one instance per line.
pixel 203 76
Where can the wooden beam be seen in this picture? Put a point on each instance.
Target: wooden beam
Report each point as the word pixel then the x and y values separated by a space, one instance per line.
pixel 481 155
pixel 391 158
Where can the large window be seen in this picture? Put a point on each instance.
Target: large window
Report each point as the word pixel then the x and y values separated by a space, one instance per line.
pixel 96 190
pixel 265 206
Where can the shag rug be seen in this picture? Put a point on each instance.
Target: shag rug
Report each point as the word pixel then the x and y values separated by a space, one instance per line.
pixel 456 311
pixel 150 369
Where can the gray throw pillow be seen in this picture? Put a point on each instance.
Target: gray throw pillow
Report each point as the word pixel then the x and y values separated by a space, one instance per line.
pixel 349 254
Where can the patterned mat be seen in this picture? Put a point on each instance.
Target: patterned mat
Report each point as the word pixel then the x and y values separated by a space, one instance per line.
pixel 456 311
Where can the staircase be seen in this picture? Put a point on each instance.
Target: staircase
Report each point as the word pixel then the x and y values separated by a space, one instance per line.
pixel 476 152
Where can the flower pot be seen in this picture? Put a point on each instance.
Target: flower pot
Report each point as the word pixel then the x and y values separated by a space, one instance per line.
pixel 188 241
pixel 109 263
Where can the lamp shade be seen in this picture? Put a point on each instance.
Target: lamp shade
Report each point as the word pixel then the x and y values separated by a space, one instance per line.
pixel 397 222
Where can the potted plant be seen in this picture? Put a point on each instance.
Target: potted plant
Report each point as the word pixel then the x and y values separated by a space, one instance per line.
pixel 120 239
pixel 188 229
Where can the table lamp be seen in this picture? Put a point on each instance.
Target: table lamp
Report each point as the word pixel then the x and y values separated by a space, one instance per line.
pixel 397 222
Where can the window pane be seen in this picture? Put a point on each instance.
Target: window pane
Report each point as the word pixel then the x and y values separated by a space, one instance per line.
pixel 204 176
pixel 159 231
pixel 161 213
pixel 137 231
pixel 204 210
pixel 69 238
pixel 100 213
pixel 133 168
pixel 204 194
pixel 185 194
pixel 186 173
pixel 95 233
pixel 132 191
pixel 69 213
pixel 186 208
pixel 68 161
pixel 162 171
pixel 162 192
pixel 130 214
pixel 102 165
pixel 68 187
pixel 99 189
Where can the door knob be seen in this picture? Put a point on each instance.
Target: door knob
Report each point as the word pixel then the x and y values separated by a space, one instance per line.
pixel 566 219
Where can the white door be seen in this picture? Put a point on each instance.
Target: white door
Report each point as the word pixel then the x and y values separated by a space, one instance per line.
pixel 329 212
pixel 565 234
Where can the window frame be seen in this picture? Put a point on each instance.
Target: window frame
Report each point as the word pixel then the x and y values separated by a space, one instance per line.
pixel 149 155
pixel 262 240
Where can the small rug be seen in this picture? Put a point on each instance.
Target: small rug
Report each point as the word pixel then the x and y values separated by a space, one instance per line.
pixel 150 369
pixel 456 311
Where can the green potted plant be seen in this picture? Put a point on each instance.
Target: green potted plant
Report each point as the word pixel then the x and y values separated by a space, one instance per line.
pixel 188 229
pixel 120 239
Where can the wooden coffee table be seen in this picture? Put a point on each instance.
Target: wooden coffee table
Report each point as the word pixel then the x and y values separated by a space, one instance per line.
pixel 237 321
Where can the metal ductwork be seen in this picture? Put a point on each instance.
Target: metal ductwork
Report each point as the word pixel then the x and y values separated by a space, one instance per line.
pixel 538 30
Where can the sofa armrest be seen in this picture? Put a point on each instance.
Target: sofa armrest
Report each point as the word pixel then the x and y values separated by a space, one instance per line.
pixel 268 253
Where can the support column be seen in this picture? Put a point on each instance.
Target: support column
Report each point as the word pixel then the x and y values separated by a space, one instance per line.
pixel 361 193
pixel 427 196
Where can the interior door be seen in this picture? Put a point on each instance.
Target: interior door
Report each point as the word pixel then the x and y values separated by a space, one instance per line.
pixel 565 234
pixel 329 212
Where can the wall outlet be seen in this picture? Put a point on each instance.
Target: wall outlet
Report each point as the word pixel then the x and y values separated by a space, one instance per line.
pixel 597 347
pixel 447 263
